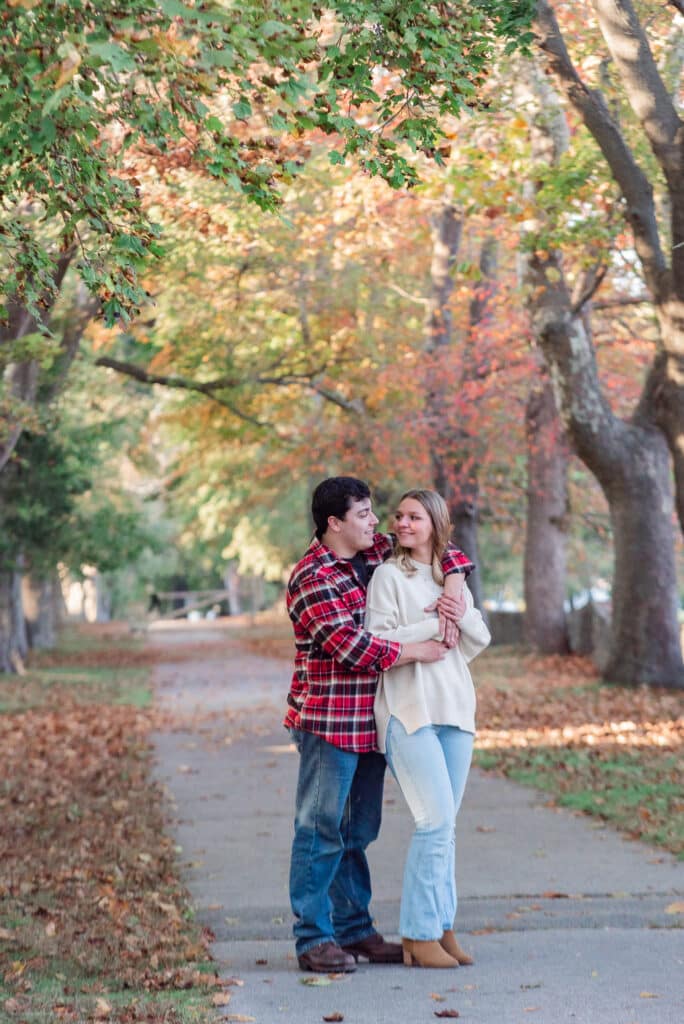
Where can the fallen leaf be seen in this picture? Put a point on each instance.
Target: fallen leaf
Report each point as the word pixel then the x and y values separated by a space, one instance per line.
pixel 261 962
pixel 485 828
pixel 4 934
pixel 649 995
pixel 221 999
pixel 102 1009
pixel 50 928
pixel 239 1018
pixel 12 1005
pixel 446 1013
pixel 675 908
pixel 333 1016
pixel 436 996
pixel 555 895
pixel 314 981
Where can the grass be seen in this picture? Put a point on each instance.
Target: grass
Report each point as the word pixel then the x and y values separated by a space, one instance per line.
pixel 613 752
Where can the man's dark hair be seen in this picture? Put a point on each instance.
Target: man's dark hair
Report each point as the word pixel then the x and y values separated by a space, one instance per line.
pixel 333 497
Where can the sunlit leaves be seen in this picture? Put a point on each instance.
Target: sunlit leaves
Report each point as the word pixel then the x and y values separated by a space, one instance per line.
pixel 88 88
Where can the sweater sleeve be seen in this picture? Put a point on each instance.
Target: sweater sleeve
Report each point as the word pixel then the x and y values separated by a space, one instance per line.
pixel 474 633
pixel 382 613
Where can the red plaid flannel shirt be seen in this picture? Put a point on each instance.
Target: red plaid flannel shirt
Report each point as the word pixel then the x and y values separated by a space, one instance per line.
pixel 337 661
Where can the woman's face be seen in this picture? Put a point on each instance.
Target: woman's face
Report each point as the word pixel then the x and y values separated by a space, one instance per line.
pixel 413 527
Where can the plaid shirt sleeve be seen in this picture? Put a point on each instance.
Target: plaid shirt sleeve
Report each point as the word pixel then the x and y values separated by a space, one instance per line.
pixel 321 612
pixel 455 560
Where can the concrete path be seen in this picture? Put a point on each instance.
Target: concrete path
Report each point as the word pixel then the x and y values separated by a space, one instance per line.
pixel 566 920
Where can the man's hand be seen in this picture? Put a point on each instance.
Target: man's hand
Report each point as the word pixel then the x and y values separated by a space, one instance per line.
pixel 425 651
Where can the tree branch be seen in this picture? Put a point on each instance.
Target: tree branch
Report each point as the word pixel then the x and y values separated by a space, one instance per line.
pixel 592 108
pixel 207 388
pixel 644 87
pixel 354 405
pixel 591 284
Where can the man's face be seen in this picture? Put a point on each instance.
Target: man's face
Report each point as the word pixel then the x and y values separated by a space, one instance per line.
pixel 355 532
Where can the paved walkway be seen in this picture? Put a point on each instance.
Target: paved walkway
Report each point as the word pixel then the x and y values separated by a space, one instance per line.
pixel 566 920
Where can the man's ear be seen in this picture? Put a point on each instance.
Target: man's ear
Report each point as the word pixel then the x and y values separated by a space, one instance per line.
pixel 334 524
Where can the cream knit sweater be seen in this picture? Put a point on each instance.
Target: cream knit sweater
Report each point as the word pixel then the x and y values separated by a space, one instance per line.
pixel 418 694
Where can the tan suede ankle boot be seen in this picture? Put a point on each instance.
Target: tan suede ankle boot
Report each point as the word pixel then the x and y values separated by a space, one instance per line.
pixel 450 943
pixel 426 954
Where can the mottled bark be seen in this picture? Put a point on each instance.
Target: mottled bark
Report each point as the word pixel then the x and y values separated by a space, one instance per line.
pixel 546 523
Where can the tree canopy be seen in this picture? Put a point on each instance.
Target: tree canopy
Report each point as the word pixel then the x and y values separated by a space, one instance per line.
pixel 90 88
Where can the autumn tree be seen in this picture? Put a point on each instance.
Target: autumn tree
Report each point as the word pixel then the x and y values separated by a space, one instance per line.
pixel 629 457
pixel 94 92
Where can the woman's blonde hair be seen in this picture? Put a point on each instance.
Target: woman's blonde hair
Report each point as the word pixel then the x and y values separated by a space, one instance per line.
pixel 436 507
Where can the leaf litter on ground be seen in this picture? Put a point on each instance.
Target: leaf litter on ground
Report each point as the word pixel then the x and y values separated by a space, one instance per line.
pixel 93 914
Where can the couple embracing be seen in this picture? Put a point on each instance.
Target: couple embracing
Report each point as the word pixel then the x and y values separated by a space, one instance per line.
pixel 384 629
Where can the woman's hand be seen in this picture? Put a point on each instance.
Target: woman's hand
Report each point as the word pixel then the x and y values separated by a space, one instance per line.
pixel 450 608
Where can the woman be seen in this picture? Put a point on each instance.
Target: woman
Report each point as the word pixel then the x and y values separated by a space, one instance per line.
pixel 425 716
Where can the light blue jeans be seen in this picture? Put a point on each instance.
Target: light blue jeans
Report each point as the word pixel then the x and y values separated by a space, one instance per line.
pixel 431 766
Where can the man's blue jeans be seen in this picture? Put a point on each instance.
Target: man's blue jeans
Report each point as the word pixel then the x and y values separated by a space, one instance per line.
pixel 337 814
pixel 431 766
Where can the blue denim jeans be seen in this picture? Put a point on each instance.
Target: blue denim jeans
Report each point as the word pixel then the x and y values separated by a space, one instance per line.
pixel 337 814
pixel 431 766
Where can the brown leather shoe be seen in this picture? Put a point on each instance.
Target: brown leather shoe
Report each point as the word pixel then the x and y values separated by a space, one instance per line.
pixel 327 958
pixel 376 950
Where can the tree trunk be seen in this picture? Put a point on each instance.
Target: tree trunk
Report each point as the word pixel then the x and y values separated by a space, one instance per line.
pixel 39 607
pixel 638 81
pixel 546 524
pixel 19 640
pixel 465 535
pixel 231 583
pixel 629 459
pixel 6 622
pixel 454 455
pixel 646 645
pixel 631 462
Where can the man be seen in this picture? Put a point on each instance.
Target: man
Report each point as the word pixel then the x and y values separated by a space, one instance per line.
pixel 330 716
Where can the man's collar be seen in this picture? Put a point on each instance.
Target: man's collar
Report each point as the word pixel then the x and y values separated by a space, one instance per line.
pixel 326 554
